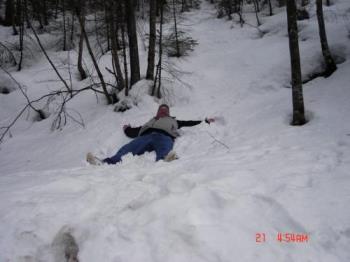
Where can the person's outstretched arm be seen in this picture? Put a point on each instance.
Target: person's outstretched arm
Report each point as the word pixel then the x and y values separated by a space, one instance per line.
pixel 182 123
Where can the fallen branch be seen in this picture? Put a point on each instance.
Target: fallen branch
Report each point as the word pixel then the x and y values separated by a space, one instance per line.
pixel 216 140
pixel 42 116
pixel 67 96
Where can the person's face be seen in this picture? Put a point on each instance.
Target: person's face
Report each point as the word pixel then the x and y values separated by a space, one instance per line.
pixel 163 111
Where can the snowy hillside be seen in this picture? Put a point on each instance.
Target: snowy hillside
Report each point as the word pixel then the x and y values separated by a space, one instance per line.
pixel 239 184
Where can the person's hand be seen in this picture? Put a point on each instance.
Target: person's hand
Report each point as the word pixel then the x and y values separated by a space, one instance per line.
pixel 209 120
pixel 126 126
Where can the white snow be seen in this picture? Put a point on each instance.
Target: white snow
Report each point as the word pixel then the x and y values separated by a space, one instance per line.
pixel 249 172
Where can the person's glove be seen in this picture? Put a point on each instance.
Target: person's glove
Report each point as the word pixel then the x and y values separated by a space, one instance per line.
pixel 209 120
pixel 126 126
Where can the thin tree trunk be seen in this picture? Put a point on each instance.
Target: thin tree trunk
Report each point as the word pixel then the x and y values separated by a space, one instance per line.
pixel 156 88
pixel 80 54
pixel 297 89
pixel 56 8
pixel 107 27
pixel 38 12
pixel 176 34
pixel 64 27
pixel 184 6
pixel 96 33
pixel 133 46
pixel 152 40
pixel 26 13
pixel 46 19
pixel 14 19
pixel 329 61
pixel 72 31
pixel 21 32
pixel 104 87
pixel 125 59
pixel 270 8
pixel 115 56
pixel 256 6
pixel 9 13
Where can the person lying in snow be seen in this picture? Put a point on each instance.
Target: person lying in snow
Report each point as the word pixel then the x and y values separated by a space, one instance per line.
pixel 157 135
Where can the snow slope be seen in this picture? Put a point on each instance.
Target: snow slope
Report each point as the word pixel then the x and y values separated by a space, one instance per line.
pixel 248 173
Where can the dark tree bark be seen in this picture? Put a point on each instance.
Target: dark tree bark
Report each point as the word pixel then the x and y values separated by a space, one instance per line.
pixel 9 13
pixel 15 19
pixel 64 48
pixel 97 34
pixel 45 13
pixel 125 60
pixel 107 27
pixel 183 6
pixel 80 54
pixel 270 7
pixel 20 18
pixel 152 40
pixel 114 35
pixel 329 61
pixel 133 46
pixel 100 76
pixel 297 89
pixel 56 8
pixel 38 11
pixel 257 10
pixel 176 33
pixel 158 79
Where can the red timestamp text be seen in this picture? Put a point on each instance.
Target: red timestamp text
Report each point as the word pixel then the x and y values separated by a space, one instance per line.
pixel 283 237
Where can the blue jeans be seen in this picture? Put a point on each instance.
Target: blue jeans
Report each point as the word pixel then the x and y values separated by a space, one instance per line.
pixel 160 143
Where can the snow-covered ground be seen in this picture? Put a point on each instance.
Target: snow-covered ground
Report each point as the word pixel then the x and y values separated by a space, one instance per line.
pixel 239 182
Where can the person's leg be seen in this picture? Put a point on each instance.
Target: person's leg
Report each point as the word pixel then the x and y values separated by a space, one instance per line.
pixel 162 145
pixel 138 146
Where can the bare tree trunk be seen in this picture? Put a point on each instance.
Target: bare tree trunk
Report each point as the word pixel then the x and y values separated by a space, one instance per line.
pixel 38 12
pixel 114 35
pixel 133 46
pixel 125 59
pixel 184 6
pixel 297 89
pixel 270 8
pixel 21 32
pixel 104 86
pixel 46 19
pixel 56 8
pixel 256 7
pixel 26 13
pixel 80 54
pixel 9 13
pixel 176 34
pixel 64 27
pixel 240 7
pixel 14 19
pixel 96 33
pixel 72 32
pixel 329 61
pixel 158 79
pixel 152 40
pixel 107 28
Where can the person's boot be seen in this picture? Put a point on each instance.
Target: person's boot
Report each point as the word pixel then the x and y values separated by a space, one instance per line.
pixel 171 156
pixel 90 158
